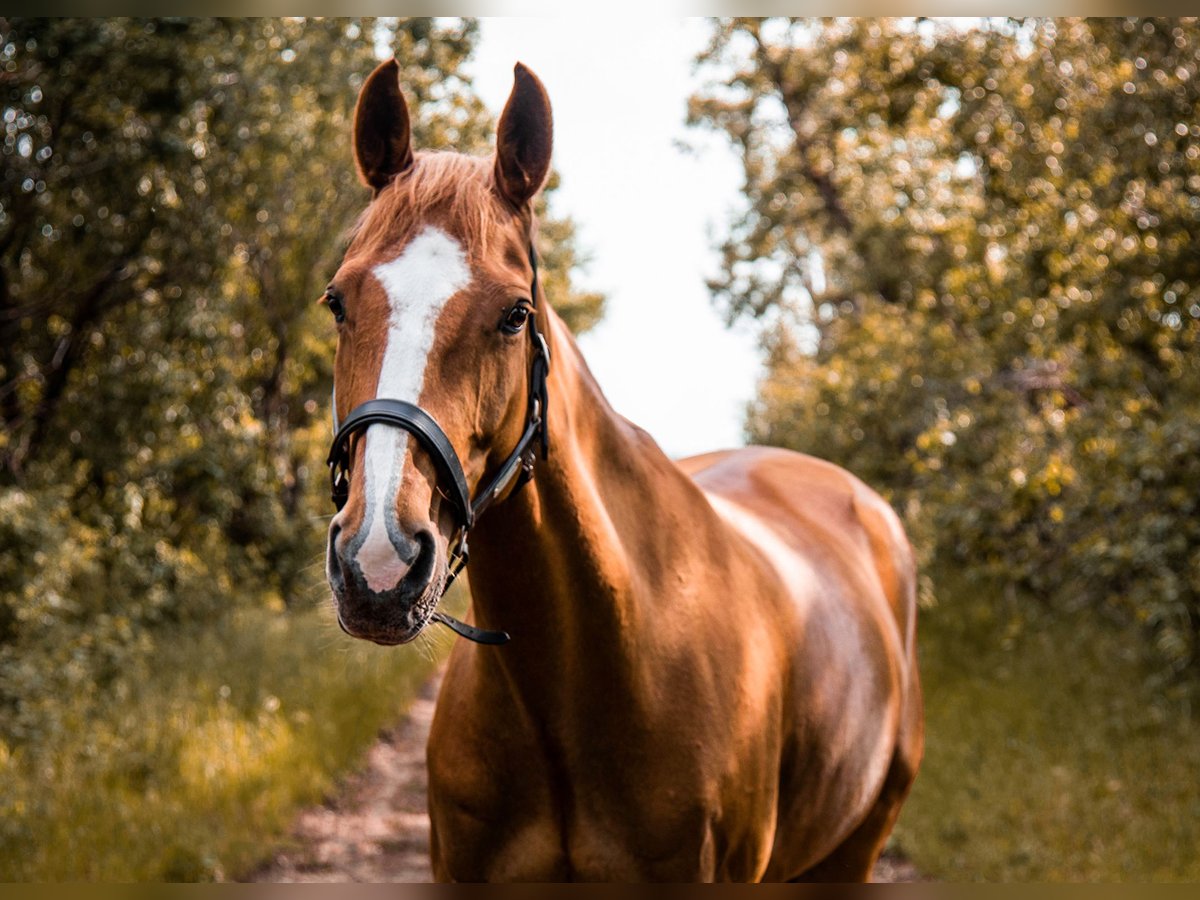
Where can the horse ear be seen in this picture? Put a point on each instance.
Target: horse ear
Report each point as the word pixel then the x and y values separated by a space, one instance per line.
pixel 382 135
pixel 524 138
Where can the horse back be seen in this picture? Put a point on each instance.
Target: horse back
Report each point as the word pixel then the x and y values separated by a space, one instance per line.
pixel 820 511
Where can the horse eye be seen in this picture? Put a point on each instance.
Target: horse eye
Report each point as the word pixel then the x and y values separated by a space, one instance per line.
pixel 515 319
pixel 334 301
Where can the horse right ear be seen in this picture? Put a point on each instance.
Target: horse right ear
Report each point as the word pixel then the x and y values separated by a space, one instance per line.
pixel 524 138
pixel 382 135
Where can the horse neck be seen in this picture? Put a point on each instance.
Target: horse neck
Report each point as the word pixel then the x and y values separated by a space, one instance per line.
pixel 569 565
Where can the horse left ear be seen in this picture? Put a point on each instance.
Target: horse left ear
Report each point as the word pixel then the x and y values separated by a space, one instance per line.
pixel 382 135
pixel 524 138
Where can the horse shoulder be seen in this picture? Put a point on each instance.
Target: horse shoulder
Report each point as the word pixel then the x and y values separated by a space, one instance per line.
pixel 487 786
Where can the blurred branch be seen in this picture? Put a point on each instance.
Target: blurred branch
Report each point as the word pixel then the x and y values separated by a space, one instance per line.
pixel 1042 375
pixel 55 372
pixel 821 179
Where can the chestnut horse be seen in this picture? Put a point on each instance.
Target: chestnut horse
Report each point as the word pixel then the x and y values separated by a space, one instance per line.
pixel 712 673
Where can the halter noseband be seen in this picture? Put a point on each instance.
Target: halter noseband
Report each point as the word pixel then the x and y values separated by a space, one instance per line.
pixel 451 482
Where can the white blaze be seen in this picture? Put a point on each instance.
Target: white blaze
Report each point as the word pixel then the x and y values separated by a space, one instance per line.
pixel 430 270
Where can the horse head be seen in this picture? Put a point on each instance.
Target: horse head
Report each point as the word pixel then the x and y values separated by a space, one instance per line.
pixel 436 307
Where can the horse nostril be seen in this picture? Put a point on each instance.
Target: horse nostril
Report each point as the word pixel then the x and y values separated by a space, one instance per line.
pixel 333 559
pixel 423 565
pixel 393 562
pixel 334 554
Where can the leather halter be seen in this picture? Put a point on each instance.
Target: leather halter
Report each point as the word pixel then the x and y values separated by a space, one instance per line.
pixel 451 482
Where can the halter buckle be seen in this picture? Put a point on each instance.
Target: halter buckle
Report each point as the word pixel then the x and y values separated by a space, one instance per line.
pixel 457 560
pixel 542 347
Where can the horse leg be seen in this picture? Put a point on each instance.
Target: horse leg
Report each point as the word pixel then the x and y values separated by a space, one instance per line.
pixel 854 858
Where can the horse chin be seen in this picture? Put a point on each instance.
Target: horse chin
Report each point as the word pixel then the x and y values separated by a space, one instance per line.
pixel 399 629
pixel 390 641
pixel 385 635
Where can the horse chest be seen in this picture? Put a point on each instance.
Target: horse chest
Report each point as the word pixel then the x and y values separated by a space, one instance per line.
pixel 573 838
pixel 509 802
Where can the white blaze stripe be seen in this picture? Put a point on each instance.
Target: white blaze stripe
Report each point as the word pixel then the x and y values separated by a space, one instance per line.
pixel 431 270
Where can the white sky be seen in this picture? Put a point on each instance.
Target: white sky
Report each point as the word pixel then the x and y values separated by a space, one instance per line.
pixel 646 212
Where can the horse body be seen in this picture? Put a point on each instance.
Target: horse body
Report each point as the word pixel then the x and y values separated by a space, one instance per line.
pixel 712 673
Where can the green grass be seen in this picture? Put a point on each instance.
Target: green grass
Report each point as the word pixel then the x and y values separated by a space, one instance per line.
pixel 1049 754
pixel 194 770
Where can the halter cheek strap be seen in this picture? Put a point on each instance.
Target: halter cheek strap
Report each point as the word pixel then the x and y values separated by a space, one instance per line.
pixel 518 465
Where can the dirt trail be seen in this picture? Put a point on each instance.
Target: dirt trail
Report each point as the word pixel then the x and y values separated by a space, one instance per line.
pixel 377 829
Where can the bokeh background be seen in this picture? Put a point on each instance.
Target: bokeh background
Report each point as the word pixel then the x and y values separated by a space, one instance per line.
pixel 958 257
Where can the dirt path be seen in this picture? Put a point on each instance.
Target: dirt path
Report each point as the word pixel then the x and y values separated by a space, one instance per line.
pixel 377 829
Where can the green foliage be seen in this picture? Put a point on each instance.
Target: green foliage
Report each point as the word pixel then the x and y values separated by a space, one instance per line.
pixel 973 253
pixel 97 192
pixel 194 761
pixel 172 201
pixel 1039 771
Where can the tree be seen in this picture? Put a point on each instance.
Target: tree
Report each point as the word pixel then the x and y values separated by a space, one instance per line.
pixel 95 114
pixel 171 202
pixel 970 248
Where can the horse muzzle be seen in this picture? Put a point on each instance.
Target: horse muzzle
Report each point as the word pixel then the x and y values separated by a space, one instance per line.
pixel 381 596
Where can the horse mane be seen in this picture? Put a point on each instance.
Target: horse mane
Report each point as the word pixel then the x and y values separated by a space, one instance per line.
pixel 448 183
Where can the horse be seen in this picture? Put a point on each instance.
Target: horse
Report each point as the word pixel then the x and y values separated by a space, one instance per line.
pixel 712 672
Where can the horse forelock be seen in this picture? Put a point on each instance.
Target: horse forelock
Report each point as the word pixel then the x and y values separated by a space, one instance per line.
pixel 455 190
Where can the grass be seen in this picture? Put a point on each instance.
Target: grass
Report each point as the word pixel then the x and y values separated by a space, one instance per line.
pixel 194 770
pixel 1050 755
